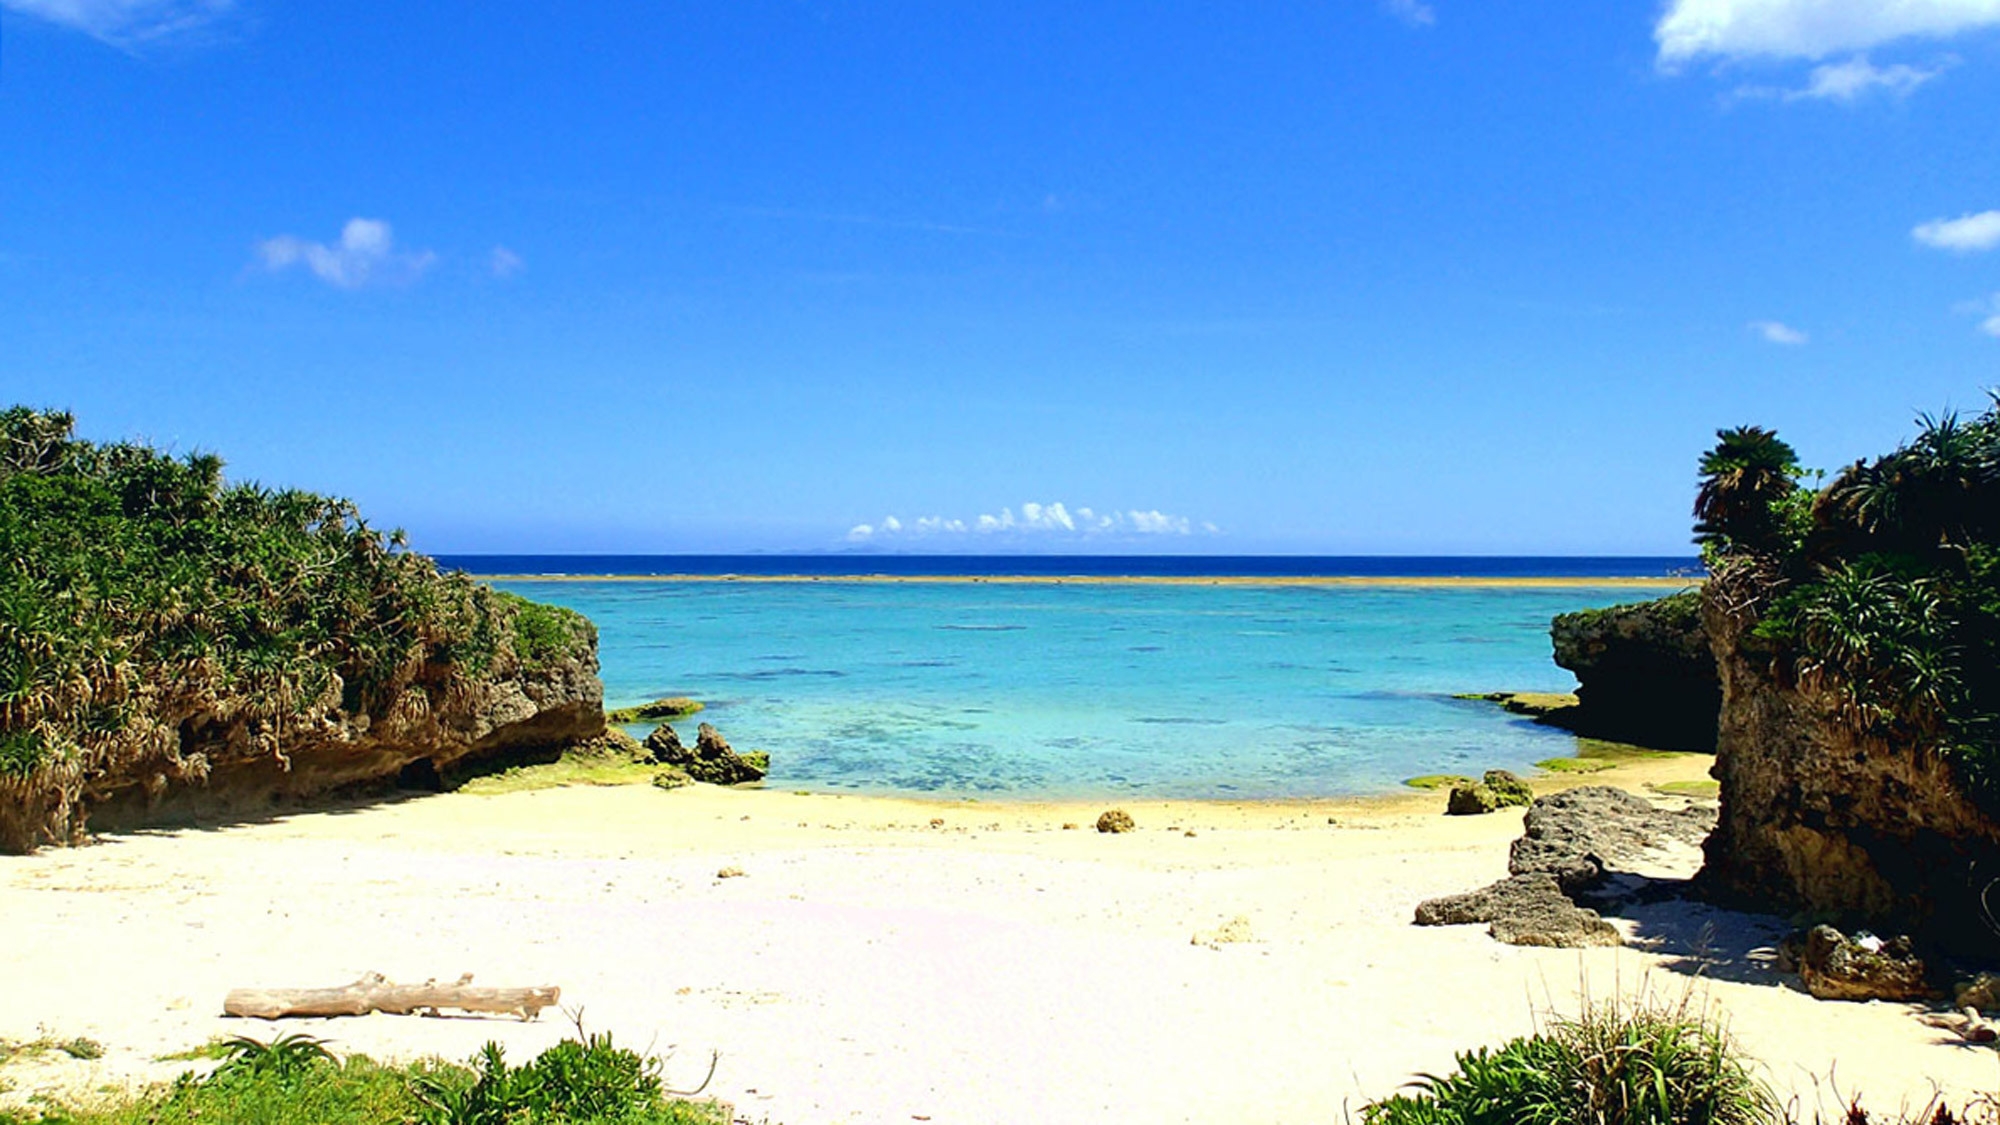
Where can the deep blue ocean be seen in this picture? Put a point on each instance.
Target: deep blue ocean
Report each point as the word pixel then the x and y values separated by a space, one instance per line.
pixel 1089 690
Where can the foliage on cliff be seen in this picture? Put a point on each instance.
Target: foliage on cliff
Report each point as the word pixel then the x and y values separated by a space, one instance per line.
pixel 1883 588
pixel 153 616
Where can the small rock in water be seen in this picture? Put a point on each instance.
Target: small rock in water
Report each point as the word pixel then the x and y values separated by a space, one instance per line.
pixel 1115 820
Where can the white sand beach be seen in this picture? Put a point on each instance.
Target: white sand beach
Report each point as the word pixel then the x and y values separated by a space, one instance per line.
pixel 890 960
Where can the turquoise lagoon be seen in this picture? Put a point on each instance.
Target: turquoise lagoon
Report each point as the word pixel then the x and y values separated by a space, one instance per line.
pixel 1090 690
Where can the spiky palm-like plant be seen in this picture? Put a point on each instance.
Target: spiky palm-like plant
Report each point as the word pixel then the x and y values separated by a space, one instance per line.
pixel 1742 480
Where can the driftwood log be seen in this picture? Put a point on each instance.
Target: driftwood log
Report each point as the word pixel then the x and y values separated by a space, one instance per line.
pixel 376 993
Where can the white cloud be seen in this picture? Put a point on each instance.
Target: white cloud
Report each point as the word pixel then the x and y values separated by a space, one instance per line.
pixel 1987 310
pixel 1416 13
pixel 1854 78
pixel 1810 29
pixel 365 253
pixel 1052 520
pixel 126 23
pixel 1965 234
pixel 1778 332
pixel 504 262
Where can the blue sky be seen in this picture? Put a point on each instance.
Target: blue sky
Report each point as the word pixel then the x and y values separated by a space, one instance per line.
pixel 1345 276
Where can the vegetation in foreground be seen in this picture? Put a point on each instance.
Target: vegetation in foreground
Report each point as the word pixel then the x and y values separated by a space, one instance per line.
pixel 1632 1065
pixel 295 1080
pixel 156 622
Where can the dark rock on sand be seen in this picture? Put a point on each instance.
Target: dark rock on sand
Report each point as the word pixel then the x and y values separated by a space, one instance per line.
pixel 1572 835
pixel 1510 789
pixel 664 745
pixel 712 760
pixel 1568 841
pixel 1837 967
pixel 1522 910
pixel 1471 800
pixel 1115 820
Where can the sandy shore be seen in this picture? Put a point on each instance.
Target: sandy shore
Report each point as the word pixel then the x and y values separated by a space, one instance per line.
pixel 888 960
pixel 1447 582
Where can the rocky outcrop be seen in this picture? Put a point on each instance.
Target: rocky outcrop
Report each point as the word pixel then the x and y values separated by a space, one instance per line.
pixel 677 707
pixel 1645 673
pixel 711 760
pixel 1578 835
pixel 1564 859
pixel 1522 910
pixel 1819 818
pixel 1834 966
pixel 1497 790
pixel 427 738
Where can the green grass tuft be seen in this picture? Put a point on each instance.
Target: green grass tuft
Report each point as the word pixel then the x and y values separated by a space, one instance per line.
pixel 1636 1065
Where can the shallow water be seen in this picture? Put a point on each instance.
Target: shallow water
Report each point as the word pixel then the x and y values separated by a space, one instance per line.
pixel 1090 690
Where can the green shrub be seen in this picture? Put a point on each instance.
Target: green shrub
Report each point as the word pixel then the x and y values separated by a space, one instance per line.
pixel 1638 1065
pixel 157 622
pixel 294 1080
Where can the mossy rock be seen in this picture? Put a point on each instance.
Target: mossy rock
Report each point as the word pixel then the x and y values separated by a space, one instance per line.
pixel 671 777
pixel 1438 781
pixel 1508 789
pixel 675 708
pixel 1471 800
pixel 1706 789
pixel 1575 765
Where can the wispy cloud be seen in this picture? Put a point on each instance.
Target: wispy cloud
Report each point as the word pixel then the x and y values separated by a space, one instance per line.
pixel 1853 79
pixel 1807 29
pixel 1416 13
pixel 504 263
pixel 1778 332
pixel 366 253
pixel 128 24
pixel 1053 520
pixel 1987 309
pixel 1966 234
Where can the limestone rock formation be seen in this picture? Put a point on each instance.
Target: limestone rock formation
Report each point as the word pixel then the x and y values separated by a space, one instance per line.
pixel 1645 673
pixel 1574 835
pixel 516 712
pixel 1818 818
pixel 1497 790
pixel 1565 853
pixel 1471 800
pixel 1115 820
pixel 1522 910
pixel 1837 967
pixel 712 760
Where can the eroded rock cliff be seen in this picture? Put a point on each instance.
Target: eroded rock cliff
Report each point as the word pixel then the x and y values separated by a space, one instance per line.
pixel 1645 673
pixel 517 710
pixel 1820 819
